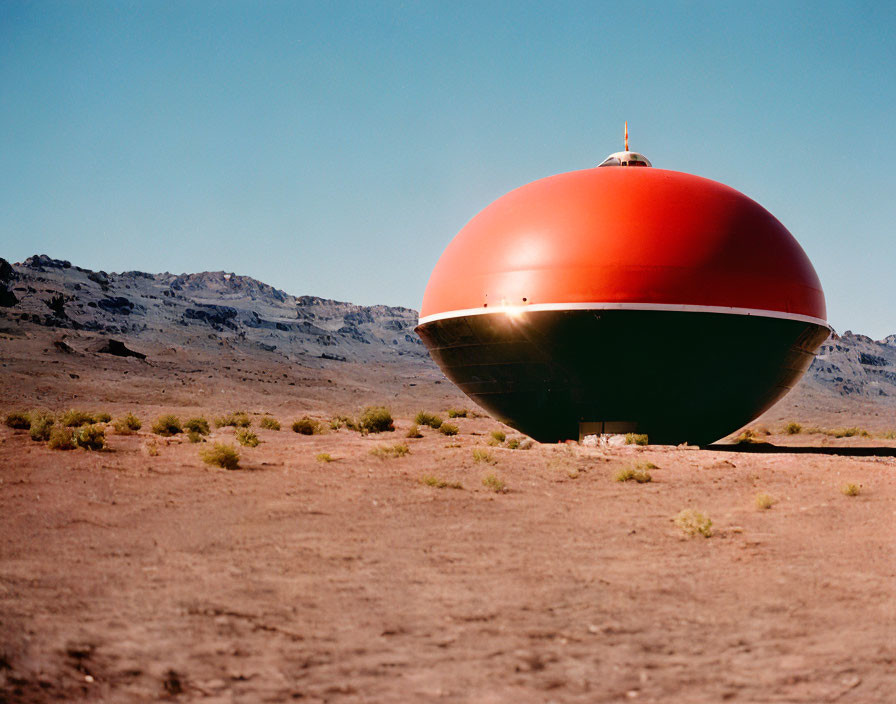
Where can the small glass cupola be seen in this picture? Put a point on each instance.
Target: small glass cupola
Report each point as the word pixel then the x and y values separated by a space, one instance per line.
pixel 626 158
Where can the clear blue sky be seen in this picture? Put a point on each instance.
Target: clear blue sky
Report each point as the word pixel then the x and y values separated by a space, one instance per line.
pixel 335 148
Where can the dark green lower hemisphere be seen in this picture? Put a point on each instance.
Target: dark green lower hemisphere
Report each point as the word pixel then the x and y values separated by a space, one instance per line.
pixel 679 377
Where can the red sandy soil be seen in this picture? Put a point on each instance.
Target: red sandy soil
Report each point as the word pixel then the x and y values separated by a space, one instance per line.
pixel 141 574
pixel 128 576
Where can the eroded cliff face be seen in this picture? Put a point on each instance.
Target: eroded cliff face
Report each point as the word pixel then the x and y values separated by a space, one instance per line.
pixel 203 310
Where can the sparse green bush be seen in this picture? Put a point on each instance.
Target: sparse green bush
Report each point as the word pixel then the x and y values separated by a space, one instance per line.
pixel 221 455
pixel 238 419
pixel 764 501
pixel 102 417
pixel 635 439
pixel 480 455
pixel 430 419
pixel 269 423
pixel 306 426
pixel 448 429
pixel 18 420
pixel 194 436
pixel 435 482
pixel 324 457
pixel 167 425
pixel 399 449
pixel 414 432
pixel 513 444
pixel 41 426
pixel 496 437
pixel 793 428
pixel 376 419
pixel 61 439
pixel 457 412
pixel 493 483
pixel 75 418
pixel 197 425
pixel 694 522
pixel 851 489
pixel 90 437
pixel 246 437
pixel 636 473
pixel 127 424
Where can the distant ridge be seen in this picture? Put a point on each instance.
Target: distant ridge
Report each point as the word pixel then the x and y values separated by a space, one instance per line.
pixel 208 310
pixel 215 308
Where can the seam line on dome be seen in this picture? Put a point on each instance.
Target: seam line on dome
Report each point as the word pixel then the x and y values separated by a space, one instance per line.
pixel 661 307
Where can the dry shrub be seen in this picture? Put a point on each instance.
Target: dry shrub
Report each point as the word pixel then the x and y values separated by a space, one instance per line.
pixel 246 438
pixel 197 425
pixel 237 419
pixel 480 455
pixel 414 432
pixel 269 423
pixel 748 437
pixel 306 426
pixel 635 439
pixel 493 483
pixel 74 418
pixel 693 522
pixel 41 426
pixel 849 432
pixel 61 439
pixel 221 455
pixel 18 420
pixel 343 421
pixel 448 429
pixel 793 428
pixel 167 425
pixel 496 437
pixel 457 412
pixel 90 437
pixel 376 419
pixel 325 457
pixel 764 501
pixel 851 489
pixel 430 419
pixel 127 424
pixel 636 473
pixel 435 482
pixel 399 449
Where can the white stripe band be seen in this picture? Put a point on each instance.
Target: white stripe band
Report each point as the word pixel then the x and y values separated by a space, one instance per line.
pixel 669 307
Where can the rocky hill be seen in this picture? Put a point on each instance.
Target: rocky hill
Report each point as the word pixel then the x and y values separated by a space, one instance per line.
pixel 205 310
pixel 856 365
pixel 210 310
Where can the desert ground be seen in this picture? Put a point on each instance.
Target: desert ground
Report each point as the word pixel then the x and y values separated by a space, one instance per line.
pixel 141 573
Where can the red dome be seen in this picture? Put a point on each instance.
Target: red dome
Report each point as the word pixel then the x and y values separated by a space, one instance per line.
pixel 642 238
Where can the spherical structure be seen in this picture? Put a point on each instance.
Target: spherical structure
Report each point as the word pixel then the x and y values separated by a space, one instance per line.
pixel 624 300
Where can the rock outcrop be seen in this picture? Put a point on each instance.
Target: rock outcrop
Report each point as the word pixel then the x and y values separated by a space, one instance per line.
pixel 204 310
